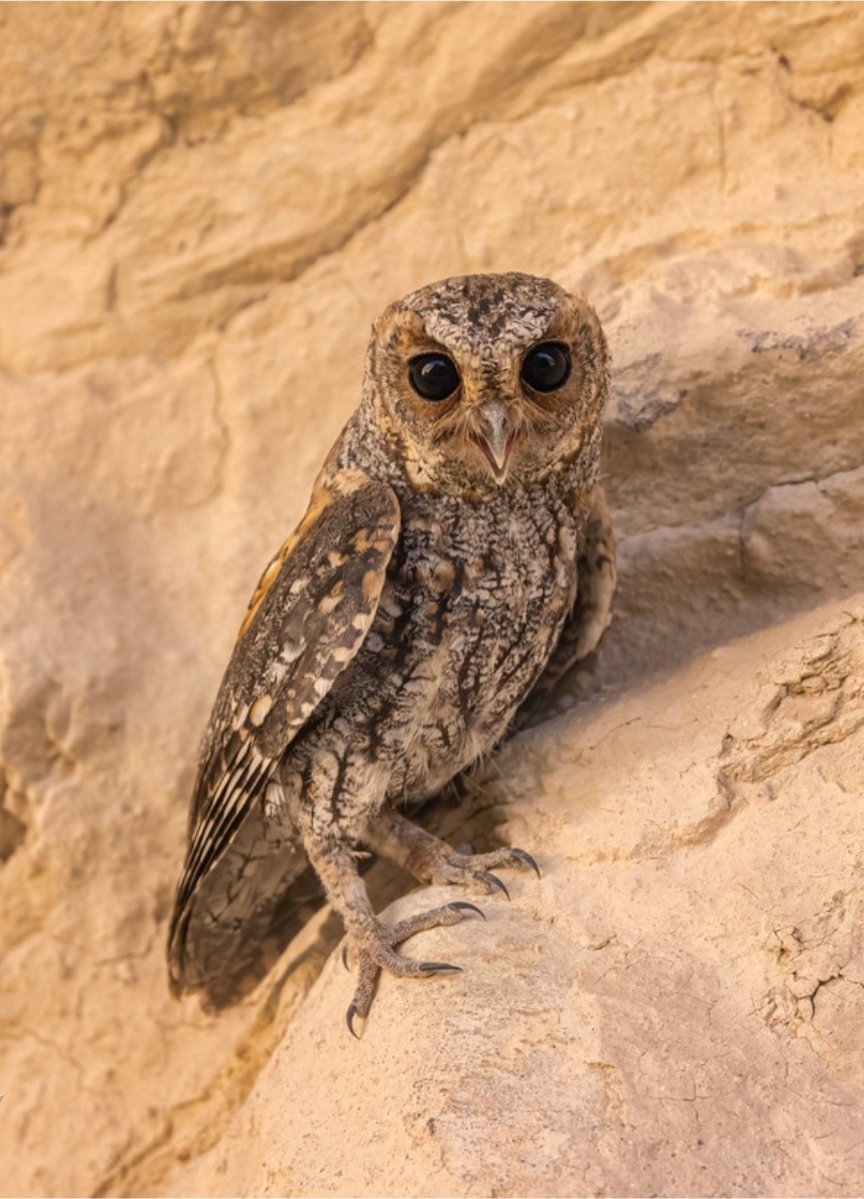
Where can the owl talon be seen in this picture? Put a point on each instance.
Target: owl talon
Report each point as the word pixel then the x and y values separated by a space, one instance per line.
pixel 439 968
pixel 526 859
pixel 461 906
pixel 345 957
pixel 492 881
pixel 349 1020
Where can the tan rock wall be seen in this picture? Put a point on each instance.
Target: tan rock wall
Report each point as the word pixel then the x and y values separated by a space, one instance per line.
pixel 202 207
pixel 675 1008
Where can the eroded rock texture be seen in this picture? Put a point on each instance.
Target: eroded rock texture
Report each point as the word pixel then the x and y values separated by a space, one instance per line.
pixel 202 207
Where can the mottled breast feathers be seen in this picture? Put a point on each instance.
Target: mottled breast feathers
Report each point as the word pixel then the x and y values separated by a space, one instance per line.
pixel 307 619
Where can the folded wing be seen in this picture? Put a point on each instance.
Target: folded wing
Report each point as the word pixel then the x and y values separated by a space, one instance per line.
pixel 308 617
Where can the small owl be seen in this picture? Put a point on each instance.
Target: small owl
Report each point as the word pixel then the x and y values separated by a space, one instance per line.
pixel 456 558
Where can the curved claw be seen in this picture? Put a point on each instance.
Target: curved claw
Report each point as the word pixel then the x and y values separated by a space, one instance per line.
pixel 461 906
pixel 349 1020
pixel 495 882
pixel 439 968
pixel 527 859
pixel 345 957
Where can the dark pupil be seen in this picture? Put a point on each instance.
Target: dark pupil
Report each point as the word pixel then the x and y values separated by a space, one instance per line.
pixel 433 376
pixel 546 367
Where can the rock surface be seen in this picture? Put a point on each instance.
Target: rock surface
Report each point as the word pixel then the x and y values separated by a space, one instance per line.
pixel 677 1008
pixel 202 208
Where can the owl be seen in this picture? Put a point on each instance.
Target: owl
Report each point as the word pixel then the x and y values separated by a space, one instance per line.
pixel 455 559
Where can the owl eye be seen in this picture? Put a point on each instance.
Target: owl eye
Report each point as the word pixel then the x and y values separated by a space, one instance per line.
pixel 433 376
pixel 547 366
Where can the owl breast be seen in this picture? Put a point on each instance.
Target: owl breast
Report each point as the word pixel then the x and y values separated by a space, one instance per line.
pixel 473 605
pixel 472 610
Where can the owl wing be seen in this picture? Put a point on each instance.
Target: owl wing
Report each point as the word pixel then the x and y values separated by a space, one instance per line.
pixel 306 620
pixel 598 577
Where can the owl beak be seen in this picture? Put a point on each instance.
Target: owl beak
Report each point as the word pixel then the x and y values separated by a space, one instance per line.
pixel 496 437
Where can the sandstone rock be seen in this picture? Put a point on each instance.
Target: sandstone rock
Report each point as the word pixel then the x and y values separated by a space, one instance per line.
pixel 675 1009
pixel 201 210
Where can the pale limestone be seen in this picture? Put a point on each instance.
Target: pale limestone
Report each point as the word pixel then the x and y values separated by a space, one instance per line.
pixel 202 208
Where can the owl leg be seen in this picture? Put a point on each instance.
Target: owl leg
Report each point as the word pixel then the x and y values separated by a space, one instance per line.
pixel 372 942
pixel 433 861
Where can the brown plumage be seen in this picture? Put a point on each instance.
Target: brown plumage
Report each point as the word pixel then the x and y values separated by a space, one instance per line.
pixel 456 557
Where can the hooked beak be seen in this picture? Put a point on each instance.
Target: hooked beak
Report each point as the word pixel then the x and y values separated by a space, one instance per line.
pixel 496 437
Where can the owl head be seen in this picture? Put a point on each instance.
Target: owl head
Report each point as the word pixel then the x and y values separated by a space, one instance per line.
pixel 487 381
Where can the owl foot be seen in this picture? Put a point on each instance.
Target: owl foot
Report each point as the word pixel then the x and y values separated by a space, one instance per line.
pixel 433 861
pixel 441 864
pixel 436 863
pixel 375 952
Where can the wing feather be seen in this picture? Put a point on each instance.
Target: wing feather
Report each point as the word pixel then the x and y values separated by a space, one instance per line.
pixel 307 619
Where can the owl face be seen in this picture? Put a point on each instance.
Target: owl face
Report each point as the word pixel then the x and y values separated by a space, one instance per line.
pixel 487 381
